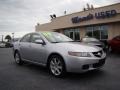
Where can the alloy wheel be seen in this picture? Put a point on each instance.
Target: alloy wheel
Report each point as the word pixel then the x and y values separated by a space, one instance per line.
pixel 56 66
pixel 17 58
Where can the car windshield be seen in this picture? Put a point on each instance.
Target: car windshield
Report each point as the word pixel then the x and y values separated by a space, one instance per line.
pixel 55 37
pixel 90 40
pixel 117 37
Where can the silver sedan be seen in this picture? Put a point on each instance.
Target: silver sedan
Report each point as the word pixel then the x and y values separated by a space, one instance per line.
pixel 58 52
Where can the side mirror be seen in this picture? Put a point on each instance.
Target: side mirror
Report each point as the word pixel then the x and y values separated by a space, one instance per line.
pixel 39 41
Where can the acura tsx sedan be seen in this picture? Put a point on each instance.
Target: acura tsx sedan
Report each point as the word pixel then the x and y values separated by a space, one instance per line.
pixel 58 53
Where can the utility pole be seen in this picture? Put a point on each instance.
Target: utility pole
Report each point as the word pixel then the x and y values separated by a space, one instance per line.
pixel 2 37
pixel 13 36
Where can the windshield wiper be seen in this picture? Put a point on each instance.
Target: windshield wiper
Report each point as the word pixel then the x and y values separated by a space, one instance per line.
pixel 55 42
pixel 64 41
pixel 73 41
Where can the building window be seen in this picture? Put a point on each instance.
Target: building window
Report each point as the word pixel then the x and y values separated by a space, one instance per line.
pixel 89 31
pixel 104 32
pixel 73 33
pixel 99 32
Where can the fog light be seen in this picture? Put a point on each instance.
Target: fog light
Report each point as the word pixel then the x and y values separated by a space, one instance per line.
pixel 85 67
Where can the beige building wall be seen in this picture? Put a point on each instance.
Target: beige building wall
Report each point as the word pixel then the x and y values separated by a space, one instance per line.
pixel 44 27
pixel 82 32
pixel 114 30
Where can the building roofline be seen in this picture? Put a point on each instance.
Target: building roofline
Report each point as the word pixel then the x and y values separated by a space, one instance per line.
pixel 87 10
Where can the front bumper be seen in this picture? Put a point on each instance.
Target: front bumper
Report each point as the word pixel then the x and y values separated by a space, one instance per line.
pixel 84 64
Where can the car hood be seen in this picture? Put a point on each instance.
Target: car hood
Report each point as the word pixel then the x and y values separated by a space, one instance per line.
pixel 77 47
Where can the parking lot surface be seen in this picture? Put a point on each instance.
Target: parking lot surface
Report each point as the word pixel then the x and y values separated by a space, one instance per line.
pixel 32 77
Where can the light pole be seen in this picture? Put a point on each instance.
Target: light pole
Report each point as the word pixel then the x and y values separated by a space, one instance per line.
pixel 2 37
pixel 13 36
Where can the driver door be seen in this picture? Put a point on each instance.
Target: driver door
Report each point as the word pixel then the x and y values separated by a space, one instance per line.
pixel 38 51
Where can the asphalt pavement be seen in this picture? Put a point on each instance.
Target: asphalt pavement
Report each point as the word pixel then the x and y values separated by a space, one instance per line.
pixel 32 77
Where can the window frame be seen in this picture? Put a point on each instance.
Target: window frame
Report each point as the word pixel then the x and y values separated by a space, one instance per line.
pixel 100 29
pixel 24 38
pixel 74 30
pixel 32 37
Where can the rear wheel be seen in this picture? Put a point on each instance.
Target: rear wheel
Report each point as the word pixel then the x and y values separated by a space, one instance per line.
pixel 57 66
pixel 18 58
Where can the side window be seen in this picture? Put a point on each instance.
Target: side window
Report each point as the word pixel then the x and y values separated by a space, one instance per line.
pixel 26 38
pixel 35 37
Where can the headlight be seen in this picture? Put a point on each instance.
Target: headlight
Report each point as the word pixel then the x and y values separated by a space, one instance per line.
pixel 79 54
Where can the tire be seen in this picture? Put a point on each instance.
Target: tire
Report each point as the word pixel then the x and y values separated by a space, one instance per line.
pixel 56 66
pixel 18 58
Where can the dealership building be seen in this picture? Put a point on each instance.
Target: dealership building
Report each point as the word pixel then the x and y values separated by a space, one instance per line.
pixel 102 23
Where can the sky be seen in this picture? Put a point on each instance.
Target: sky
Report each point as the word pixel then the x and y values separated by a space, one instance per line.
pixel 21 16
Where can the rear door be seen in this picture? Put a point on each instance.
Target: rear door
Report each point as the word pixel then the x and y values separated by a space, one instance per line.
pixel 24 46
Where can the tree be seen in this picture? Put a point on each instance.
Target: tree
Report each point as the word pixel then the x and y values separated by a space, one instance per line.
pixel 8 37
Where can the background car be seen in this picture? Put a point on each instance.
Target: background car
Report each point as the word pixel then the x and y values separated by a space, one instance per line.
pixel 114 44
pixel 8 44
pixel 94 41
pixel 58 52
pixel 2 45
pixel 11 43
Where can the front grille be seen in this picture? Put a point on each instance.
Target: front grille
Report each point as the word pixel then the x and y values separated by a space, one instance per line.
pixel 98 54
pixel 100 63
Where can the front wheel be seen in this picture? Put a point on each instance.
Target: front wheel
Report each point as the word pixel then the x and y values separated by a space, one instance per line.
pixel 57 66
pixel 18 58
